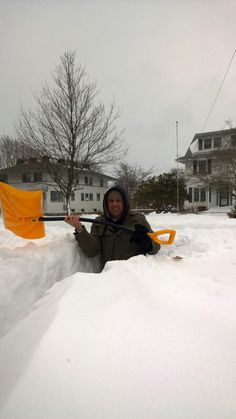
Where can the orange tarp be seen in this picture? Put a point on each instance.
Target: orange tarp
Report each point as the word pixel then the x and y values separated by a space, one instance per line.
pixel 19 208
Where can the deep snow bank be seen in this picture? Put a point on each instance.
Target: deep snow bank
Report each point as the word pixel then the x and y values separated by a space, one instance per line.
pixel 146 338
pixel 30 267
pixel 42 262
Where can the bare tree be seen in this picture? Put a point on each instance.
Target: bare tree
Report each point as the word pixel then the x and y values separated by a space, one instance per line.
pixel 71 126
pixel 11 150
pixel 130 176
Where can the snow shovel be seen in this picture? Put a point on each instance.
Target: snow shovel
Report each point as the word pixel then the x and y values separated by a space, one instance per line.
pixel 23 215
pixel 154 235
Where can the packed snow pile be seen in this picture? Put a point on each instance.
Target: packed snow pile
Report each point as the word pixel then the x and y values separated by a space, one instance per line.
pixel 151 337
pixel 30 267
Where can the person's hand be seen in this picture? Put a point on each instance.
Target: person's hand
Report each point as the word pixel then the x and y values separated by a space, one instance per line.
pixel 141 239
pixel 74 221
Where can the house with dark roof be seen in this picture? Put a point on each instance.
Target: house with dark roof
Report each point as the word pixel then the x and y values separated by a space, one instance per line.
pixel 209 162
pixel 31 175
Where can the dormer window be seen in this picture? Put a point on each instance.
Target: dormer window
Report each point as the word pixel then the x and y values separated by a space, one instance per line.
pixel 207 143
pixel 204 143
pixel 26 177
pixel 37 177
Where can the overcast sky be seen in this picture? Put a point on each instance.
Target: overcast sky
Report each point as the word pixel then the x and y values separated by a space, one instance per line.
pixel 161 61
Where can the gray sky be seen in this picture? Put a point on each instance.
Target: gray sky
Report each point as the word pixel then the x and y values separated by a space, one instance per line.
pixel 162 61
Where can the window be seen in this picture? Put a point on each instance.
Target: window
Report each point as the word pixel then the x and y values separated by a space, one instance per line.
pixel 209 194
pixel 26 177
pixel 86 197
pixel 190 194
pixel 233 140
pixel 32 177
pixel 56 196
pixel 3 178
pixel 207 143
pixel 98 197
pixel 217 142
pixel 101 181
pixel 37 177
pixel 209 166
pixel 196 194
pixel 224 196
pixel 199 195
pixel 202 166
pixel 202 195
pixel 72 196
pixel 88 180
pixel 200 144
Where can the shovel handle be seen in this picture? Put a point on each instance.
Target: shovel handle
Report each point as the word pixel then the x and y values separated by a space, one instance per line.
pixel 154 236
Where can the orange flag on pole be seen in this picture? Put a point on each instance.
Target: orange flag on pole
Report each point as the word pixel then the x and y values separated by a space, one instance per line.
pixel 19 209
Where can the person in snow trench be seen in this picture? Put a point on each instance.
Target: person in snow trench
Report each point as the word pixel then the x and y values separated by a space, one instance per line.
pixel 111 243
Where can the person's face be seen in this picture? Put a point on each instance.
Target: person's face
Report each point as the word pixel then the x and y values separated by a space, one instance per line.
pixel 115 204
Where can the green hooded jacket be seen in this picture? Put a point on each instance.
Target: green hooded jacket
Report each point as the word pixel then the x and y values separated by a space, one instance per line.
pixel 110 243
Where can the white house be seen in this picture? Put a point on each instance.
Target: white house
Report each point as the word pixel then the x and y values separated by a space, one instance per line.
pixel 202 159
pixel 30 174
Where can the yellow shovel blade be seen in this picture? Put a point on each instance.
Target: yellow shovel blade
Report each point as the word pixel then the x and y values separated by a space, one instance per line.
pixel 18 208
pixel 155 236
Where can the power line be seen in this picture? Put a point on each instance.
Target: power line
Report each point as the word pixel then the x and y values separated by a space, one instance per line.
pixel 177 167
pixel 213 104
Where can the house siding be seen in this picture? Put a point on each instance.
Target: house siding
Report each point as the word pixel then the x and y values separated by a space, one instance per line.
pixel 202 158
pixel 92 184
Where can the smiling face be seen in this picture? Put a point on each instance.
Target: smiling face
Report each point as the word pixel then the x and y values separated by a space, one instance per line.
pixel 115 205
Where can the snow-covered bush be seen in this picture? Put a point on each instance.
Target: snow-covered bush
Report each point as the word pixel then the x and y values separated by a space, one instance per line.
pixel 232 212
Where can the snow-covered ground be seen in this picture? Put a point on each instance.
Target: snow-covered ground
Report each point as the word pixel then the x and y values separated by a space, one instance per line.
pixel 148 338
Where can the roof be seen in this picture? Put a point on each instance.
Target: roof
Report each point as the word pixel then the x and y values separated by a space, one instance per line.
pixel 222 132
pixel 189 154
pixel 31 164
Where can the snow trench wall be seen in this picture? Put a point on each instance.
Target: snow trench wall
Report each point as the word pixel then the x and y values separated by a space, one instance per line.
pixel 29 268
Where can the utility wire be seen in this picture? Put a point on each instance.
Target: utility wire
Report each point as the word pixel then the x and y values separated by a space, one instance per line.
pixel 213 104
pixel 177 167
